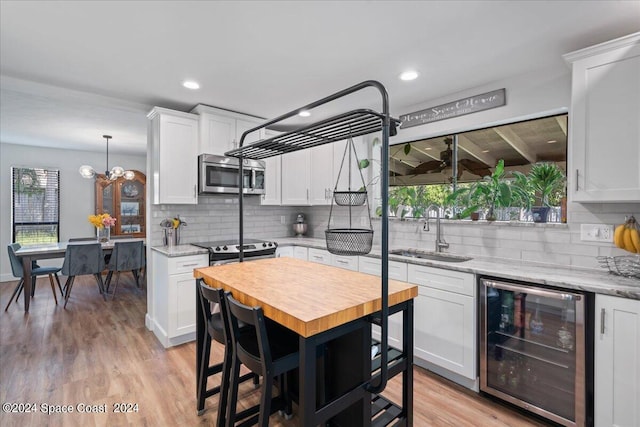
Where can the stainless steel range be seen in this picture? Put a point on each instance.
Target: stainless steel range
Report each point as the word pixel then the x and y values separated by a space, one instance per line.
pixel 227 251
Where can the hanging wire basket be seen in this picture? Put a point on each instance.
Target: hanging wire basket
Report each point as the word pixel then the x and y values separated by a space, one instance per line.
pixel 349 241
pixel 627 266
pixel 350 198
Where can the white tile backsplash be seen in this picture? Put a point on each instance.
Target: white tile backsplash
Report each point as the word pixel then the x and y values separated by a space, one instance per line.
pixel 556 244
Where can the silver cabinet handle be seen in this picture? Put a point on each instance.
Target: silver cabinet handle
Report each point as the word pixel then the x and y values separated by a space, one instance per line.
pixel 602 311
pixel 307 194
pixel 577 174
pixel 195 190
pixel 190 265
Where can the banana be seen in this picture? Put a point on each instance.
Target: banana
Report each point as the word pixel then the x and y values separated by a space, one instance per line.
pixel 617 236
pixel 628 244
pixel 635 238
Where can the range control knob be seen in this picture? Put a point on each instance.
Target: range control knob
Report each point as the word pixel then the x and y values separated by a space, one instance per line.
pixel 270 244
pixel 217 248
pixel 264 245
pixel 224 248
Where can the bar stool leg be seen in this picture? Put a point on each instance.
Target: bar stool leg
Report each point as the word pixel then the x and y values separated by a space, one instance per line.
pixel 204 368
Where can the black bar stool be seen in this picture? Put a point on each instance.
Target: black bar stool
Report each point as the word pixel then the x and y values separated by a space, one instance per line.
pixel 270 351
pixel 218 328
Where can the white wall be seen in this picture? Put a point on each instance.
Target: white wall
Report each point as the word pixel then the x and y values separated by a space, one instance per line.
pixel 77 195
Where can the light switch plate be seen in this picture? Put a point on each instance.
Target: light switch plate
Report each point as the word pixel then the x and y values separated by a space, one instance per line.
pixel 596 232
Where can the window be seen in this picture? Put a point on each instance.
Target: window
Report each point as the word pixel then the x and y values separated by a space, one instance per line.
pixel 35 205
pixel 422 172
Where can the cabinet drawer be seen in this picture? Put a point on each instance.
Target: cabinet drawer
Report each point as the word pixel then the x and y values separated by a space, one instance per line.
pixel 300 252
pixel 320 256
pixel 397 270
pixel 346 262
pixel 446 280
pixel 186 264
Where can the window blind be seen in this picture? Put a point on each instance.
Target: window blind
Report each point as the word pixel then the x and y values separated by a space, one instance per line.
pixel 35 205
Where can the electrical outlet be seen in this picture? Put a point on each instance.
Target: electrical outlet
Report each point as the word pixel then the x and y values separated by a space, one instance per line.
pixel 283 219
pixel 596 232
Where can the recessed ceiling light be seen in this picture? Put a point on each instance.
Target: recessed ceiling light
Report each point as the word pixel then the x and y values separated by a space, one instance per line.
pixel 190 84
pixel 551 141
pixel 485 151
pixel 428 148
pixel 409 75
pixel 304 113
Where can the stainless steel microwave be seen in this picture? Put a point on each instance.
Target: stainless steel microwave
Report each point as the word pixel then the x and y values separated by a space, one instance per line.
pixel 219 175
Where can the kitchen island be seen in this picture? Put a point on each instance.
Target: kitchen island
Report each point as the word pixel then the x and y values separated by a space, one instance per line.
pixel 324 305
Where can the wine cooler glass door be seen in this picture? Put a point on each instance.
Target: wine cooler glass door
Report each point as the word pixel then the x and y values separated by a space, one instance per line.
pixel 533 349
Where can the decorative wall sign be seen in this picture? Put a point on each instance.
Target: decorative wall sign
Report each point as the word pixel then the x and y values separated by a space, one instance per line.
pixel 471 104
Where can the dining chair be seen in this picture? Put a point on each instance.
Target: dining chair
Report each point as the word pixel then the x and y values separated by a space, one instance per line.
pixel 36 270
pixel 83 259
pixel 126 256
pixel 217 327
pixel 267 349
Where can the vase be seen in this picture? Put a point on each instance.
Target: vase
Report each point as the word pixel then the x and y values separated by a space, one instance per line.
pixel 103 234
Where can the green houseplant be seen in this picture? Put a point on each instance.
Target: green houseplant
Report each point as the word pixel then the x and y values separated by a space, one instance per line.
pixel 547 181
pixel 491 192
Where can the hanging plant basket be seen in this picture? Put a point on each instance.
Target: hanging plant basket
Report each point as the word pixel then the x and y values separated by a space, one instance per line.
pixel 350 198
pixel 349 241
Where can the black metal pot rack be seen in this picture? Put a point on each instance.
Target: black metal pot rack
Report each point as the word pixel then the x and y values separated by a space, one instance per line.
pixel 336 128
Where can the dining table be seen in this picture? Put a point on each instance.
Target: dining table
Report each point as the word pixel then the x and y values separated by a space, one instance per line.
pixel 30 253
pixel 332 311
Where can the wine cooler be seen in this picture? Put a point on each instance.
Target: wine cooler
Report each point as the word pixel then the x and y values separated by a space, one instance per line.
pixel 533 343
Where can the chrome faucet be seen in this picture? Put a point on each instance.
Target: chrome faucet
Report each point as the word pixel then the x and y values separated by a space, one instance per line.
pixel 440 242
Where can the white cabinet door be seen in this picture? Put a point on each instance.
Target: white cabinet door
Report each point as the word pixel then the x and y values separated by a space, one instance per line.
pixel 217 134
pixel 284 251
pixel 617 362
pixel 272 181
pixel 322 179
pixel 320 256
pixel 397 271
pixel 445 325
pixel 174 297
pixel 444 330
pixel 300 252
pixel 295 178
pixel 173 145
pixel 604 126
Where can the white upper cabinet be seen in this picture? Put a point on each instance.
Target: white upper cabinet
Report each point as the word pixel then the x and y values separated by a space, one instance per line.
pixel 296 178
pixel 322 181
pixel 221 130
pixel 272 178
pixel 604 122
pixel 173 143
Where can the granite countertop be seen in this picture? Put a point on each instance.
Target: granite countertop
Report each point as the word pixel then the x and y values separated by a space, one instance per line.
pixel 180 250
pixel 597 281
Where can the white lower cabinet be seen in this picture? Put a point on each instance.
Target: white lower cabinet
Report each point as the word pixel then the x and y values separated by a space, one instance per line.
pixel 617 362
pixel 320 256
pixel 299 252
pixel 445 324
pixel 397 271
pixel 174 296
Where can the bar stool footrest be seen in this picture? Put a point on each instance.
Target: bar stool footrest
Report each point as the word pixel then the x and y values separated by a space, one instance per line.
pixel 385 413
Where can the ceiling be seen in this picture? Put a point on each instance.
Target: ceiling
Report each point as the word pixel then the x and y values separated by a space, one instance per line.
pixel 73 71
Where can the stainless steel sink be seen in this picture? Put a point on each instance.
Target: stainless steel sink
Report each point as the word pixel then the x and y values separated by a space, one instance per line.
pixel 435 256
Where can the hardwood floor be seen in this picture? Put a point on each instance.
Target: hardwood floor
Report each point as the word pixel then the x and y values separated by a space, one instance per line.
pixel 100 353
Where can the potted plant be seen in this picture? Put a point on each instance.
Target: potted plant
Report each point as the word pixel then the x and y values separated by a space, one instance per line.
pixel 546 180
pixel 491 192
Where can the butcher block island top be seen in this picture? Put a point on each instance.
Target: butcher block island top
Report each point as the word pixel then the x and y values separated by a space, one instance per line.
pixel 306 297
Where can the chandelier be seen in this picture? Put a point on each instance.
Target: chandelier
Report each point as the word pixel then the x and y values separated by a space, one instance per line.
pixel 88 172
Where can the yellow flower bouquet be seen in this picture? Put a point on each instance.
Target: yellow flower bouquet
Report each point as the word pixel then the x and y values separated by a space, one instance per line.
pixel 102 220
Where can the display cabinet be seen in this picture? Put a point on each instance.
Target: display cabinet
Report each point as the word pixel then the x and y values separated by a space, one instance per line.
pixel 125 201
